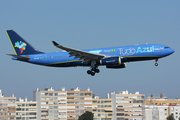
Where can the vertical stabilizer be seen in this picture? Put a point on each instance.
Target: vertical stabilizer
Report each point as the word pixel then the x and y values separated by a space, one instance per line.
pixel 20 46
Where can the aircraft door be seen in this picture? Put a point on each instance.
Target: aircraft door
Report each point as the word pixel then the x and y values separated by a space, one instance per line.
pixel 44 57
pixel 156 48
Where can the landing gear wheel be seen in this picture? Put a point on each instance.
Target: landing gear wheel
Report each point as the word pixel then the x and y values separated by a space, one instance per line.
pixel 156 64
pixel 88 72
pixel 92 73
pixel 97 70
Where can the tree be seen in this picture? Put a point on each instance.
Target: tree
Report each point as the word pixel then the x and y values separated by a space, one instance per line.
pixel 86 116
pixel 170 117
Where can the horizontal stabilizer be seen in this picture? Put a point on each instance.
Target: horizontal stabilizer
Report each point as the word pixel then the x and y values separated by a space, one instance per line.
pixel 26 58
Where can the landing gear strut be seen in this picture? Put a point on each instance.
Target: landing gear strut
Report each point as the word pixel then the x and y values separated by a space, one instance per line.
pixel 94 68
pixel 156 64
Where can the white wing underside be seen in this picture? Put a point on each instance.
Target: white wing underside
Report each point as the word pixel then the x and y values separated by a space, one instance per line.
pixel 82 55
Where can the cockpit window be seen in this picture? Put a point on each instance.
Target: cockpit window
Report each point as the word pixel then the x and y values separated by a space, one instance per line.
pixel 166 47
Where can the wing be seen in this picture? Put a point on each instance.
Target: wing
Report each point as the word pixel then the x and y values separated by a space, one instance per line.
pixel 83 55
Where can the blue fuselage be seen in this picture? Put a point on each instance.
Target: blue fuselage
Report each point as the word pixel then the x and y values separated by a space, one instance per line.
pixel 126 53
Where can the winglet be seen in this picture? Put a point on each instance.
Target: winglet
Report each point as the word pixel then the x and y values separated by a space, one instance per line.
pixel 55 43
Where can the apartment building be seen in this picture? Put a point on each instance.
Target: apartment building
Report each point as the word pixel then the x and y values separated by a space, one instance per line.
pixel 163 106
pixel 161 101
pixel 175 110
pixel 7 107
pixel 155 112
pixel 12 109
pixel 78 102
pixel 102 108
pixel 122 106
pixel 62 104
pixel 130 106
pixel 26 110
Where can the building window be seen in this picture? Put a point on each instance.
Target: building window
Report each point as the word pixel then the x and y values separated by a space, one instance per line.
pixel 120 114
pixel 88 94
pixel 76 94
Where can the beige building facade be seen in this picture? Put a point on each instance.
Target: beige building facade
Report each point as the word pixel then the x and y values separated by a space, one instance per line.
pixel 7 107
pixel 130 106
pixel 12 109
pixel 102 108
pixel 26 110
pixel 62 104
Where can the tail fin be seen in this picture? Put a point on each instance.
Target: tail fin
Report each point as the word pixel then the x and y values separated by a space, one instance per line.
pixel 20 46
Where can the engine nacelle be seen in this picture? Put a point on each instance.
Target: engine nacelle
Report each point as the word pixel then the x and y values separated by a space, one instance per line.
pixel 111 61
pixel 123 65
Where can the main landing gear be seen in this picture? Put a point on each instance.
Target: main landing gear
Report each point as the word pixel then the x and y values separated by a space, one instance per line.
pixel 93 71
pixel 94 68
pixel 156 64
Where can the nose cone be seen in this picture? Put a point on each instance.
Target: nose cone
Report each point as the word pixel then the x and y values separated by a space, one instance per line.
pixel 172 51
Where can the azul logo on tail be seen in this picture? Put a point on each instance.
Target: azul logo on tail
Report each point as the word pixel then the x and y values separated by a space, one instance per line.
pixel 21 45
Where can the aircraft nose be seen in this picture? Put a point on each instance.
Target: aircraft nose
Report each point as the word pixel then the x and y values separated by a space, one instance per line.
pixel 171 51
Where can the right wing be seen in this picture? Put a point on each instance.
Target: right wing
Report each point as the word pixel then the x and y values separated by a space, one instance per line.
pixel 85 56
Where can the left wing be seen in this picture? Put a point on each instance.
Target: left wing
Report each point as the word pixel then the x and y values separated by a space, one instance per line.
pixel 85 56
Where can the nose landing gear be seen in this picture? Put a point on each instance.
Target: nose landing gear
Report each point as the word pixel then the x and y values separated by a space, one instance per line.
pixel 156 64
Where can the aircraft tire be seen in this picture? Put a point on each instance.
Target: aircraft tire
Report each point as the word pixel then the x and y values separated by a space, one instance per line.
pixel 97 70
pixel 88 72
pixel 156 64
pixel 92 73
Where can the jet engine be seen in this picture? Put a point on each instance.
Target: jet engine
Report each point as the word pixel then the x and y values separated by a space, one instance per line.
pixel 122 65
pixel 111 61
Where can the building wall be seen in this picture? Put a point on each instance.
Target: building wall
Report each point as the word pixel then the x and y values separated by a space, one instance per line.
pixel 53 105
pixel 163 112
pixel 64 105
pixel 7 108
pixel 162 101
pixel 26 110
pixel 37 98
pixel 130 106
pixel 78 102
pixel 102 109
pixel 148 113
pixel 175 110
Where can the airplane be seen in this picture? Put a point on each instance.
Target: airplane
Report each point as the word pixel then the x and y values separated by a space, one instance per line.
pixel 112 57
